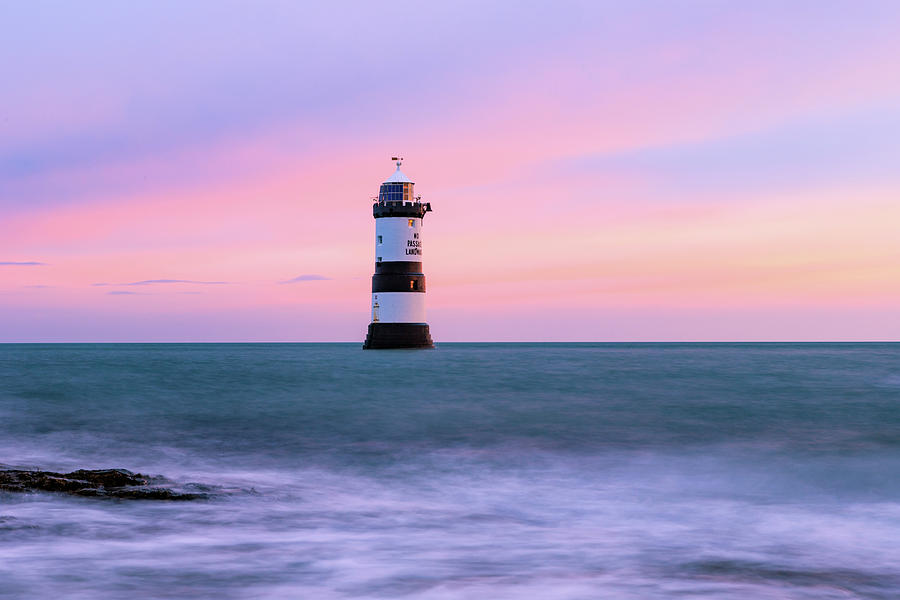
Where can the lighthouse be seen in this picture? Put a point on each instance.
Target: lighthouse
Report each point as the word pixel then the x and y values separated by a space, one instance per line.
pixel 398 285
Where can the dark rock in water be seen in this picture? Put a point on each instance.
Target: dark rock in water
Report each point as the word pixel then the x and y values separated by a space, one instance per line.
pixel 106 483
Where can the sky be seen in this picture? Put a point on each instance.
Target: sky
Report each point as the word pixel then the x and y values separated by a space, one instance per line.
pixel 599 171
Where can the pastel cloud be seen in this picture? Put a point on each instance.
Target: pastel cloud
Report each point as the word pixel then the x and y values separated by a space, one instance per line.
pixel 845 147
pixel 306 277
pixel 165 281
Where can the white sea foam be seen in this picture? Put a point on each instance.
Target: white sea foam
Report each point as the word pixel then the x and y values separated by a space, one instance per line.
pixel 441 529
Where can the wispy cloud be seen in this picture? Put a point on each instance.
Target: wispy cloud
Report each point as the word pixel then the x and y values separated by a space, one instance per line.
pixel 155 281
pixel 306 277
pixel 27 263
pixel 847 147
pixel 123 293
pixel 37 286
pixel 162 281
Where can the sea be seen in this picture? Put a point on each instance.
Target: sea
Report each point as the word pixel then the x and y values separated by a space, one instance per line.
pixel 476 471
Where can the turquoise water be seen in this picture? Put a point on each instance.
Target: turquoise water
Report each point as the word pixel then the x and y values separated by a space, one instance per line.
pixel 471 471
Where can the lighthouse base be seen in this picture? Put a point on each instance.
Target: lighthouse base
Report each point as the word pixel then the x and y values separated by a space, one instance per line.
pixel 383 336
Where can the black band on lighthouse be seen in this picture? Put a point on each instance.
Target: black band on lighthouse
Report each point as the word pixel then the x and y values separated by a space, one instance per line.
pixel 398 266
pixel 398 282
pixel 398 335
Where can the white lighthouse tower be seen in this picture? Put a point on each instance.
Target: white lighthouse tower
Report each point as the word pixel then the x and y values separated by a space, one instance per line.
pixel 398 286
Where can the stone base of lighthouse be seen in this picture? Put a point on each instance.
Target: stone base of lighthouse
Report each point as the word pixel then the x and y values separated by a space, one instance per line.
pixel 383 336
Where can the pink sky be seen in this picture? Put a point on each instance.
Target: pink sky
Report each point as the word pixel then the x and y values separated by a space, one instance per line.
pixel 598 173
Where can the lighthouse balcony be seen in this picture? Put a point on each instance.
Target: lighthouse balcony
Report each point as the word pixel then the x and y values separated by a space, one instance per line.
pixel 398 208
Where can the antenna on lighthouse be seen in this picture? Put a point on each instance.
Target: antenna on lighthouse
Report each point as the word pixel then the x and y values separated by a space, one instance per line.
pixel 399 160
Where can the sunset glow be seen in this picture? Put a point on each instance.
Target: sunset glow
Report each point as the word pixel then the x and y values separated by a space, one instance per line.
pixel 597 172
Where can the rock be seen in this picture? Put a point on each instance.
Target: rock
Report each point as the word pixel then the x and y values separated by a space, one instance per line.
pixel 106 483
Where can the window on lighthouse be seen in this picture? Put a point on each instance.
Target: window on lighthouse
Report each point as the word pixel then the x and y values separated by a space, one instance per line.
pixel 379 239
pixel 412 222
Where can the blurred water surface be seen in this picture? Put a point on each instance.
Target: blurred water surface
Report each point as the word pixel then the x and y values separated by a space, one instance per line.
pixel 472 471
